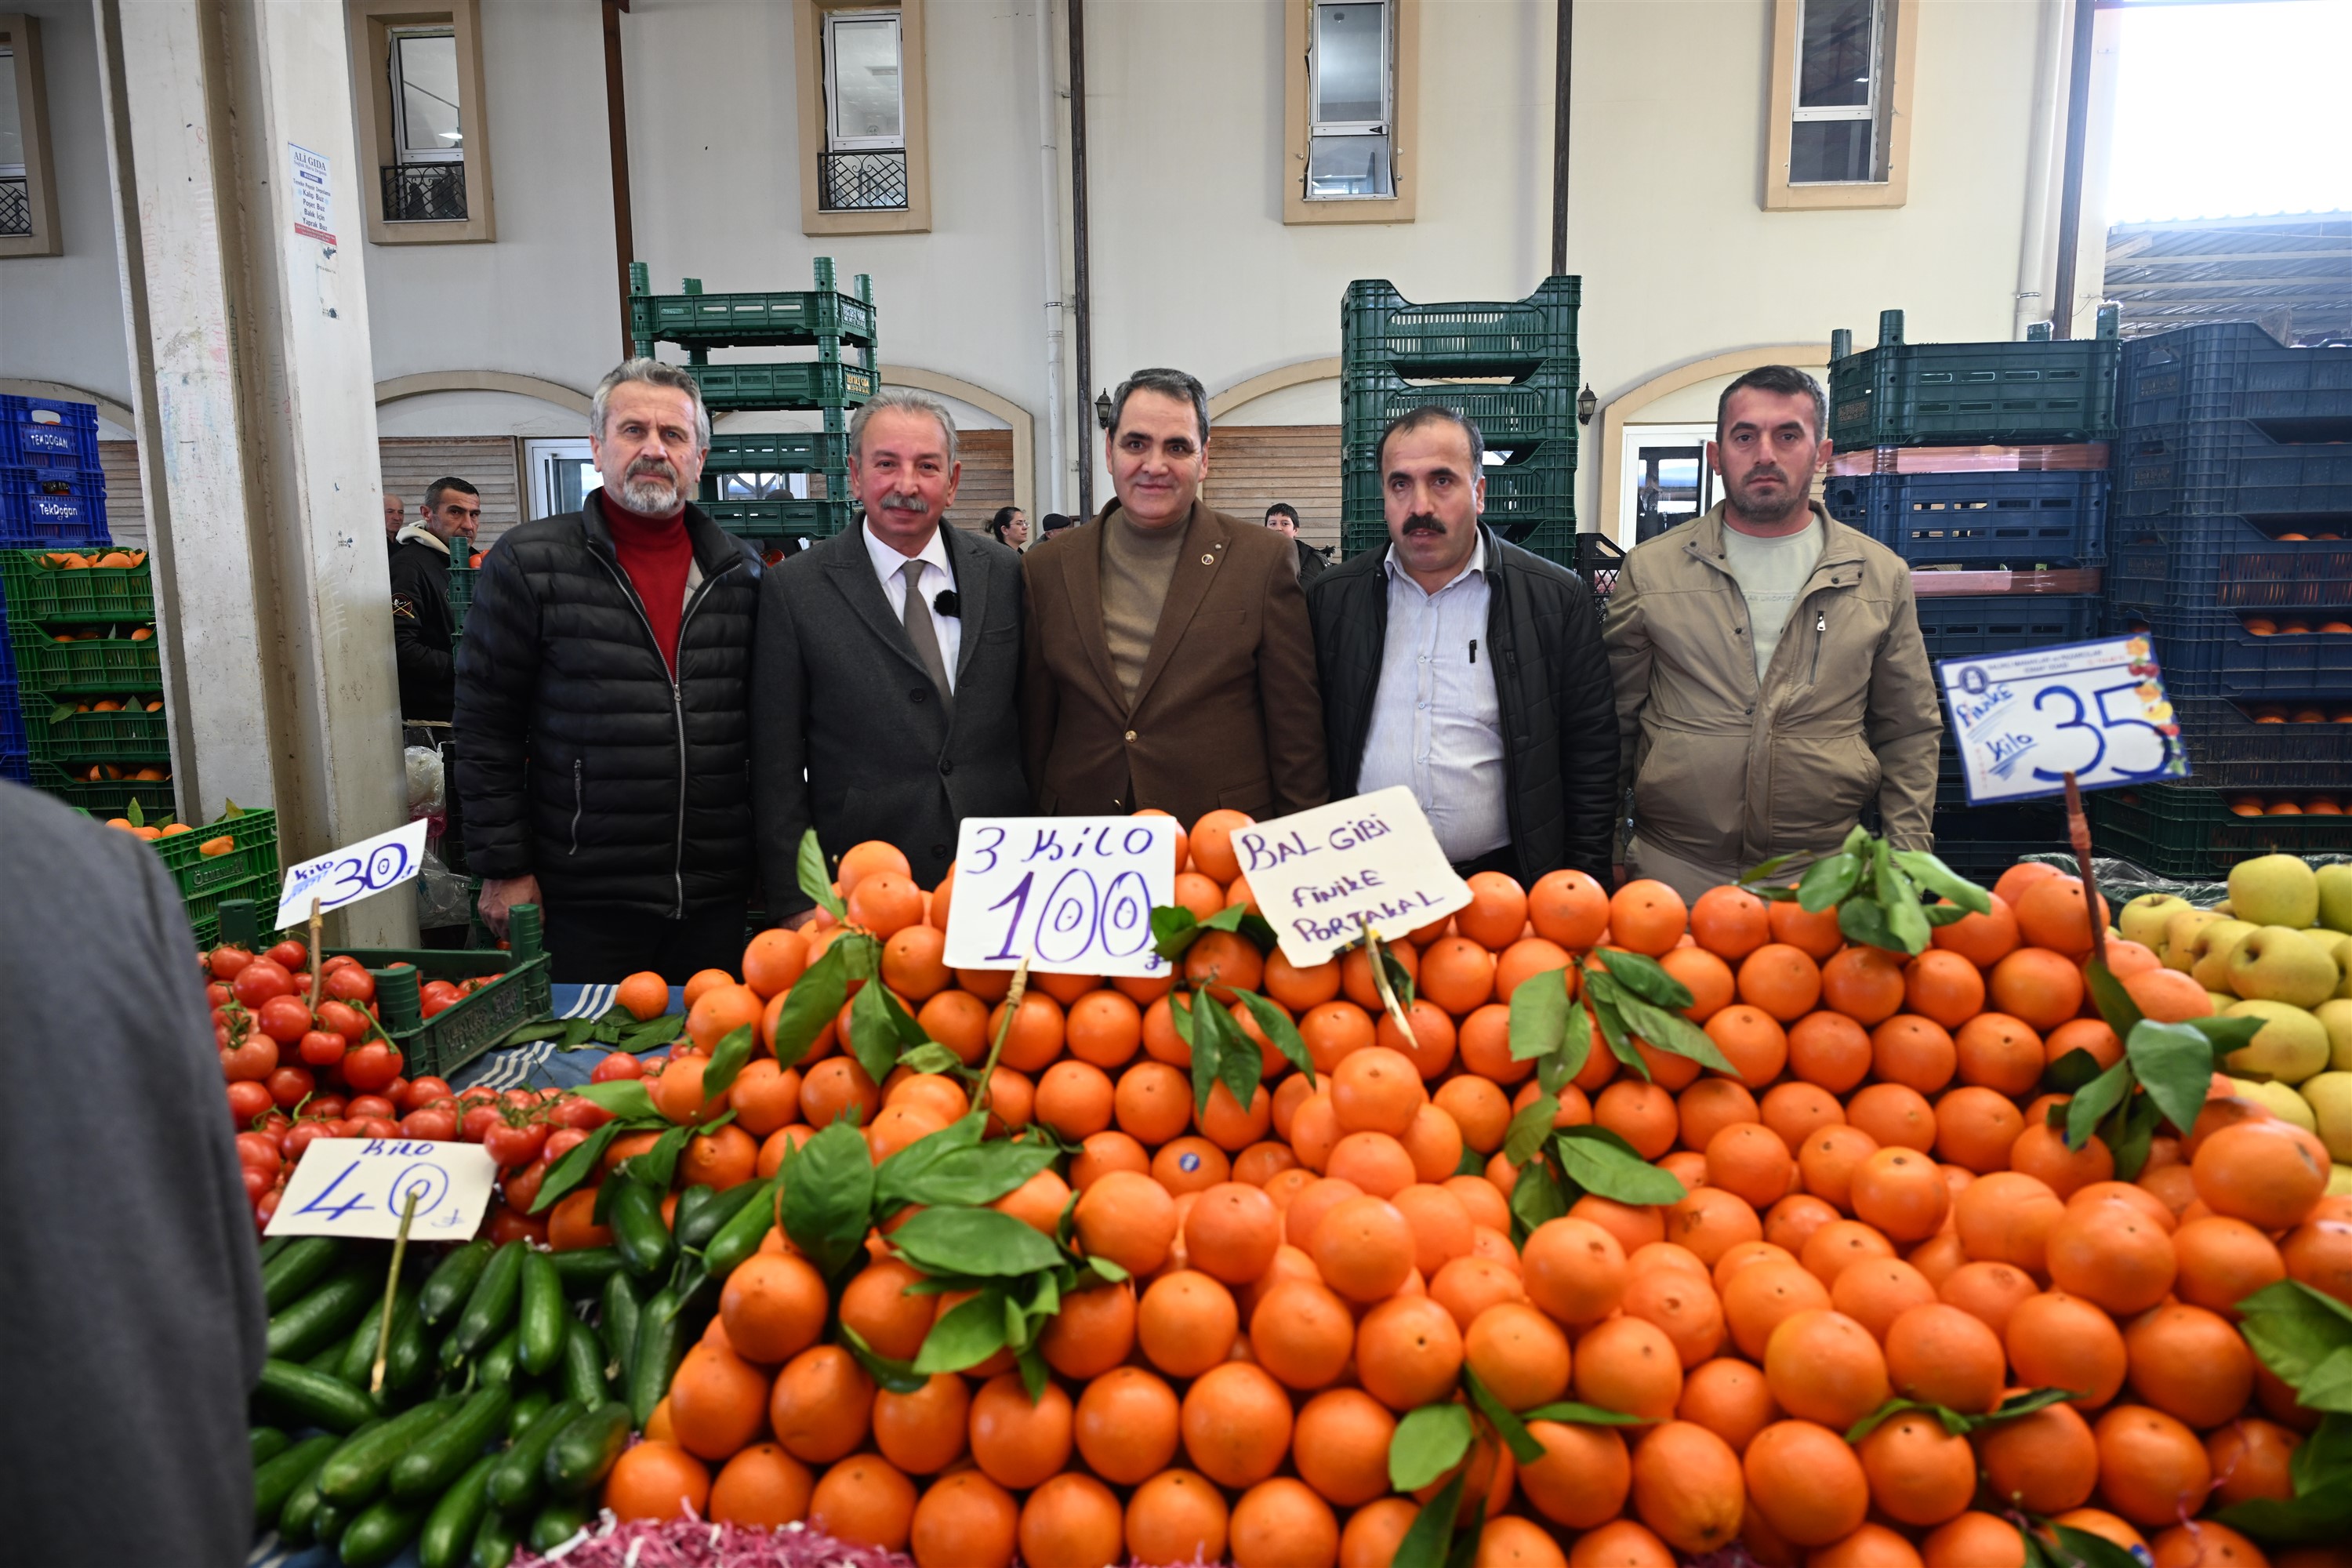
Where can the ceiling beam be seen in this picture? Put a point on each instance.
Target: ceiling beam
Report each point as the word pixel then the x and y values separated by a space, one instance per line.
pixel 2312 280
pixel 2127 262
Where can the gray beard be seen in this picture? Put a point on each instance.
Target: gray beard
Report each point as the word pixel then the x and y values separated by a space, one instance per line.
pixel 652 497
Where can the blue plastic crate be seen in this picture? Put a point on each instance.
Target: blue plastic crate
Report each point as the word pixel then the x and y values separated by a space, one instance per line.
pixel 2021 519
pixel 16 767
pixel 2227 562
pixel 2230 748
pixel 12 717
pixel 45 508
pixel 41 433
pixel 1972 626
pixel 2211 653
pixel 2229 370
pixel 2238 467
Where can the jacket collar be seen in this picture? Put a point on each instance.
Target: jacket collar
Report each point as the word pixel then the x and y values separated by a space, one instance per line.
pixel 714 549
pixel 1203 552
pixel 1841 552
pixel 417 533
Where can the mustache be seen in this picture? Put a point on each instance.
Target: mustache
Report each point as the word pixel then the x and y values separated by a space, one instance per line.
pixel 904 503
pixel 1423 522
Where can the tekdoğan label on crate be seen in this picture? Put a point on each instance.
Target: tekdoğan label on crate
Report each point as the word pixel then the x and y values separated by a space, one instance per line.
pixel 1071 895
pixel 1321 876
pixel 2023 721
pixel 358 1187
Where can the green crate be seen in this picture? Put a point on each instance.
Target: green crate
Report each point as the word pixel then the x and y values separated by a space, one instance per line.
pixel 448 1040
pixel 1913 394
pixel 255 856
pixel 778 452
pixel 107 798
pixel 752 321
pixel 205 904
pixel 81 739
pixel 44 596
pixel 114 667
pixel 778 517
pixel 2190 834
pixel 798 383
pixel 461 595
pixel 1381 329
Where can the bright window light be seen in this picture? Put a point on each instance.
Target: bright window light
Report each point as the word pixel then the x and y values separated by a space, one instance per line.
pixel 2229 110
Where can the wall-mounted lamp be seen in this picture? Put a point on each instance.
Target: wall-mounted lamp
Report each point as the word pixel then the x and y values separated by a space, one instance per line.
pixel 1102 409
pixel 1585 405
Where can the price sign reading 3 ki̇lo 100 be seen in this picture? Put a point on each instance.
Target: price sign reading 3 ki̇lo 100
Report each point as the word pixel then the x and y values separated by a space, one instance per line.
pixel 1071 895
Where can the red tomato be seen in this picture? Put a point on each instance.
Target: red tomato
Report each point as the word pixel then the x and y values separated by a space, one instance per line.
pixel 521 1188
pixel 436 996
pixel 259 1151
pixel 574 1112
pixel 561 1142
pixel 506 1224
pixel 420 1092
pixel 247 1099
pixel 620 1064
pixel 285 1019
pixel 371 1066
pixel 306 1132
pixel 321 1050
pixel 344 1127
pixel 479 1120
pixel 369 1105
pixel 397 1091
pixel 218 994
pixel 225 962
pixel 220 1034
pixel 326 1107
pixel 277 1123
pixel 343 1019
pixel 290 1086
pixel 436 1122
pixel 376 1127
pixel 259 981
pixel 520 1099
pixel 511 1145
pixel 350 984
pixel 338 960
pixel 257 1183
pixel 266 1207
pixel 289 954
pixel 250 1062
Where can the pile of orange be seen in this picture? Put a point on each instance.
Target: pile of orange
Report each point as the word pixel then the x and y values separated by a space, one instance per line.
pixel 1875 1208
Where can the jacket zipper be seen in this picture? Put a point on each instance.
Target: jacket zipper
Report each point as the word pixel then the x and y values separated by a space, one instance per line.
pixel 1821 632
pixel 677 709
pixel 579 802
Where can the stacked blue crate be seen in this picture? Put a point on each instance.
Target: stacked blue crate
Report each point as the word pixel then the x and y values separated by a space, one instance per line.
pixel 52 490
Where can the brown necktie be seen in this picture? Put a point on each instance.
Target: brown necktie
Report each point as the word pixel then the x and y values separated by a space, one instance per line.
pixel 918 617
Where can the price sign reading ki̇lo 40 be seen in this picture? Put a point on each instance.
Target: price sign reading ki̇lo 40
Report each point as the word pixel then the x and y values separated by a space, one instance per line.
pixel 1321 876
pixel 2097 710
pixel 358 1187
pixel 1073 895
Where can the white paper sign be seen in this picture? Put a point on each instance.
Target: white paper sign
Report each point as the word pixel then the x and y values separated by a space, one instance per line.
pixel 352 873
pixel 1073 895
pixel 2021 721
pixel 314 198
pixel 1322 875
pixel 358 1186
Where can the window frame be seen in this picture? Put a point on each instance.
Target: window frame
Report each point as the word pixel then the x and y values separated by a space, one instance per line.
pixel 395 82
pixel 834 140
pixel 811 34
pixel 1381 128
pixel 1402 30
pixel 1896 44
pixel 24 35
pixel 371 25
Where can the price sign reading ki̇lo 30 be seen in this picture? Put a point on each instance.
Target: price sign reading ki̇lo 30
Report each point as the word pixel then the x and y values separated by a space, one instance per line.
pixel 1073 895
pixel 1321 876
pixel 2097 710
pixel 352 873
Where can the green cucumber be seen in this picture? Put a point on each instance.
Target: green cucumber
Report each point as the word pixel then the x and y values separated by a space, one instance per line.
pixel 559 1521
pixel 637 1229
pixel 449 1528
pixel 585 1269
pixel 495 1540
pixel 528 1407
pixel 380 1530
pixel 275 1480
pixel 353 1475
pixel 516 1480
pixel 328 1361
pixel 622 1308
pixel 297 1518
pixel 409 1361
pixel 271 1245
pixel 265 1444
pixel 498 1362
pixel 712 1218
pixel 320 1319
pixel 585 1449
pixel 491 1305
pixel 313 1398
pixel 690 1204
pixel 358 1368
pixel 743 1232
pixel 447 1289
pixel 288 1278
pixel 584 1366
pixel 661 1345
pixel 327 1523
pixel 543 1314
pixel 426 1471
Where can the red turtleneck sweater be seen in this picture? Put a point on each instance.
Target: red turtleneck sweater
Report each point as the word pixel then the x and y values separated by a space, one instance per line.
pixel 656 554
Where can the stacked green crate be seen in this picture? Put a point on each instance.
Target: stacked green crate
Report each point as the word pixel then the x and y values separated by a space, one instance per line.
pixel 1510 366
pixel 840 327
pixel 89 681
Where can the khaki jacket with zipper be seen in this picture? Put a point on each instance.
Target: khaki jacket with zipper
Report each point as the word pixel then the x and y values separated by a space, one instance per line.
pixel 1726 773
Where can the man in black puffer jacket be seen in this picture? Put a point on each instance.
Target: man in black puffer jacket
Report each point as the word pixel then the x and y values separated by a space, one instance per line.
pixel 1469 670
pixel 604 716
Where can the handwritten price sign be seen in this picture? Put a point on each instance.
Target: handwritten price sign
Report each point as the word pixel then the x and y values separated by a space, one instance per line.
pixel 1073 895
pixel 352 873
pixel 1321 876
pixel 358 1186
pixel 2022 721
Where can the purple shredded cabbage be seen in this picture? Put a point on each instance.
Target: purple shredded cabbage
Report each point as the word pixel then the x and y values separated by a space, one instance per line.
pixel 688 1542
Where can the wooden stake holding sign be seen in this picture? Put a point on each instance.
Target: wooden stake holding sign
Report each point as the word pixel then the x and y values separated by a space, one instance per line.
pixel 2078 829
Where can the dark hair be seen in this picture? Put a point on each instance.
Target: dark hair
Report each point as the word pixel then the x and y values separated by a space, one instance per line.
pixel 1173 384
pixel 1284 508
pixel 434 491
pixel 1786 380
pixel 1430 414
pixel 1053 523
pixel 1001 522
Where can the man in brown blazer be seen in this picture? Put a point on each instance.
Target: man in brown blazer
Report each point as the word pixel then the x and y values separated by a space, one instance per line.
pixel 1168 661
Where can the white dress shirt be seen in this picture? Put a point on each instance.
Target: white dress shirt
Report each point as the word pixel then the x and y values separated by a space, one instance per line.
pixel 1437 722
pixel 889 567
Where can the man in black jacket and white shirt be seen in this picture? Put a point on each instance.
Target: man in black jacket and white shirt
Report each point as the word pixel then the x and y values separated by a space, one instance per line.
pixel 1467 669
pixel 422 625
pixel 603 722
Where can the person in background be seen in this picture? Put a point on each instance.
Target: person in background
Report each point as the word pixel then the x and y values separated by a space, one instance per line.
pixel 1468 670
pixel 1283 518
pixel 1168 661
pixel 1053 523
pixel 396 514
pixel 887 657
pixel 604 713
pixel 131 1304
pixel 1770 677
pixel 1009 526
pixel 422 625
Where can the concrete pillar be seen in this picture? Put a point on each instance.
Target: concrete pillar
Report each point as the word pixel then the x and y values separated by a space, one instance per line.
pixel 239 220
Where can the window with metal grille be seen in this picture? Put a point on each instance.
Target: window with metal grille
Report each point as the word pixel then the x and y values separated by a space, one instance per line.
pixel 1836 136
pixel 864 161
pixel 1352 100
pixel 16 199
pixel 426 182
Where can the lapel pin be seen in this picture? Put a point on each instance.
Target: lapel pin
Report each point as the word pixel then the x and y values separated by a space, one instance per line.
pixel 947 603
pixel 1208 560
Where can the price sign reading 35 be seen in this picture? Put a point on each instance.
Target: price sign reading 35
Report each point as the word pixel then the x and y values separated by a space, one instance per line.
pixel 2022 721
pixel 1073 895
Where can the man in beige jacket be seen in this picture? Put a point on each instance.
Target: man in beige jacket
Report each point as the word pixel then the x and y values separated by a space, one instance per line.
pixel 1771 678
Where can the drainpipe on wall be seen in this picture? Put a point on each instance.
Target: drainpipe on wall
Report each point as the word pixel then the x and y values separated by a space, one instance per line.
pixel 1080 305
pixel 2033 244
pixel 1049 204
pixel 1564 54
pixel 2069 195
pixel 616 115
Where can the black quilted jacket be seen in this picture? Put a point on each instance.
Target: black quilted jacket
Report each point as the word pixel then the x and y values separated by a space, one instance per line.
pixel 579 762
pixel 1551 676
